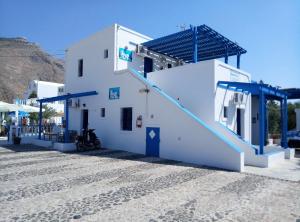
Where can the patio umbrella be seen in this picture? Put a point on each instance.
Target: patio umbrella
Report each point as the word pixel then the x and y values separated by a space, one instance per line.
pixel 7 107
pixel 29 109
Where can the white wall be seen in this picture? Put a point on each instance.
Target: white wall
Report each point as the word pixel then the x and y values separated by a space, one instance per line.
pixel 192 85
pixel 224 72
pixel 187 138
pixel 99 75
pixel 195 87
pixel 183 136
pixel 128 38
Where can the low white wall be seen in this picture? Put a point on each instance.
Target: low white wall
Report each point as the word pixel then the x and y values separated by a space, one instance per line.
pixel 43 143
pixel 64 147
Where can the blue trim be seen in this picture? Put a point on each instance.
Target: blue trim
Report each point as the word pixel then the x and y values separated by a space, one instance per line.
pixel 261 122
pixel 67 96
pixel 253 88
pixel 195 45
pixel 197 119
pixel 238 61
pixel 208 43
pixel 293 93
pixel 284 122
pixel 67 121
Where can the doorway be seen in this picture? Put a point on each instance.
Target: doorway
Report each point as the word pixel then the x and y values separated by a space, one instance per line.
pixel 240 122
pixel 85 119
pixel 148 66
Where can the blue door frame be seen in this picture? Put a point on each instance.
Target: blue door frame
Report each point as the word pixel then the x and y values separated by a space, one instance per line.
pixel 152 141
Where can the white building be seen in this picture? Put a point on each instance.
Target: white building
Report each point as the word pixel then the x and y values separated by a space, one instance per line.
pixel 178 112
pixel 44 89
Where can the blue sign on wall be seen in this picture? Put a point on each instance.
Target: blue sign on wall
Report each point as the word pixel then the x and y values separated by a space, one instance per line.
pixel 114 93
pixel 125 54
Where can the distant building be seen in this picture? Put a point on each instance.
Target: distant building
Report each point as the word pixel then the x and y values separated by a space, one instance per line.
pixel 41 89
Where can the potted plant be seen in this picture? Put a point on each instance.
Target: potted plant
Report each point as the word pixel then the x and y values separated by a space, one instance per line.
pixel 17 140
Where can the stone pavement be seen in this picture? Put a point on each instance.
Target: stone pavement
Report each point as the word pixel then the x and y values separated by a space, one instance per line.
pixel 111 185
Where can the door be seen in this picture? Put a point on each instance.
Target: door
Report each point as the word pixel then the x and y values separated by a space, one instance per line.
pixel 239 122
pixel 148 66
pixel 85 119
pixel 152 141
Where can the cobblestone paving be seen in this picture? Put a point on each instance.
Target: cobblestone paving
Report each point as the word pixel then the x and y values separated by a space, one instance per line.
pixel 131 187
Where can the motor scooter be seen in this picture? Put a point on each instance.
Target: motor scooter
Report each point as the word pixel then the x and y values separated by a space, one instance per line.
pixel 88 140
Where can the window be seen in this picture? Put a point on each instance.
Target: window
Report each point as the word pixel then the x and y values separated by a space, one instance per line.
pixel 106 53
pixel 126 119
pixel 169 65
pixel 80 67
pixel 102 112
pixel 60 89
pixel 225 112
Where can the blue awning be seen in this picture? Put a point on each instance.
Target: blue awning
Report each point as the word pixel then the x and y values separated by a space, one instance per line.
pixel 67 96
pixel 209 45
pixel 254 88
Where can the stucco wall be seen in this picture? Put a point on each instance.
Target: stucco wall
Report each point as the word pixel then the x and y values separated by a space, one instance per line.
pixel 192 85
pixel 195 87
pixel 224 72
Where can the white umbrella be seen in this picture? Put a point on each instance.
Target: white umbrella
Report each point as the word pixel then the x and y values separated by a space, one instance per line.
pixel 7 107
pixel 29 109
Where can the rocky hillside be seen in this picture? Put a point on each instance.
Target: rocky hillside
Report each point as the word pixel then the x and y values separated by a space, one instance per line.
pixel 22 61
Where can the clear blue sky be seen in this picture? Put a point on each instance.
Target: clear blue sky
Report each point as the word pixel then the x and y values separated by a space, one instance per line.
pixel 268 29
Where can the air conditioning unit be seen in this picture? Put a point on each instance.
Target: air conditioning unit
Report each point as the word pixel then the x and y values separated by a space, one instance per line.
pixel 140 49
pixel 238 98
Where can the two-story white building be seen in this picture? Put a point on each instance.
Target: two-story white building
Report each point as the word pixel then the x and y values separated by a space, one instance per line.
pixel 163 97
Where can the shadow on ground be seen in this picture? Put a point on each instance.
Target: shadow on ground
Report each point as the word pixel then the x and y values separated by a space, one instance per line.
pixel 23 148
pixel 104 153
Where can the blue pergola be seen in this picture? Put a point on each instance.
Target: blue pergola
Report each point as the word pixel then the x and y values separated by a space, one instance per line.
pixel 264 92
pixel 196 44
pixel 66 97
pixel 293 93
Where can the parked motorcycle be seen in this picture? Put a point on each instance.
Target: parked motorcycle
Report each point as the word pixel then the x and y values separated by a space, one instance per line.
pixel 88 140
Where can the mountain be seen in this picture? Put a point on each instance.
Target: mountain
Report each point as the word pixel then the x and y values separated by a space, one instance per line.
pixel 22 61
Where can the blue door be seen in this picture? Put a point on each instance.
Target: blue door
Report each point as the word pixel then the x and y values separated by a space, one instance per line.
pixel 152 141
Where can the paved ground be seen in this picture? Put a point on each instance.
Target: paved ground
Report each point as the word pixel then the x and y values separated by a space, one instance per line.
pixel 286 170
pixel 40 185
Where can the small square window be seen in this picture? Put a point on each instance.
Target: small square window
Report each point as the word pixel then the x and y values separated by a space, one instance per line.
pixel 102 112
pixel 106 53
pixel 225 112
pixel 169 66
